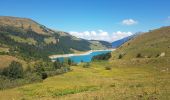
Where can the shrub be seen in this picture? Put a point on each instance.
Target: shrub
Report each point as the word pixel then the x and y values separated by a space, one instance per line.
pixel 69 61
pixel 38 68
pixel 138 55
pixel 74 64
pixel 32 77
pixel 105 56
pixel 108 68
pixel 58 64
pixel 120 56
pixel 64 69
pixel 44 75
pixel 113 85
pixel 86 65
pixel 149 56
pixel 157 55
pixel 15 70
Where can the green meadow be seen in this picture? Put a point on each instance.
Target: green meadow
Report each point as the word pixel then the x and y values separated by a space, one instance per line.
pixel 96 82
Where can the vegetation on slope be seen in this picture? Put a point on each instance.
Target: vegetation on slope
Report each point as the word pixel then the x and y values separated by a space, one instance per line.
pixel 105 56
pixel 15 74
pixel 96 44
pixel 148 45
pixel 26 34
pixel 121 82
pixel 26 44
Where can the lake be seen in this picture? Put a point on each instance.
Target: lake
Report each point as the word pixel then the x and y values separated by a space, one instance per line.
pixel 84 58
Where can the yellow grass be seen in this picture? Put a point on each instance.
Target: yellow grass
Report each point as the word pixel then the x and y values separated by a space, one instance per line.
pixel 96 83
pixel 30 41
pixel 5 60
pixel 4 49
pixel 25 23
pixel 50 40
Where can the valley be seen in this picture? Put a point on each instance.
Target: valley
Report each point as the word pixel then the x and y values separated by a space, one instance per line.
pixel 84 50
pixel 136 70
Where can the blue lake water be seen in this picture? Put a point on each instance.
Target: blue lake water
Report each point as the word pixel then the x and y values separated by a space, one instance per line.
pixel 84 58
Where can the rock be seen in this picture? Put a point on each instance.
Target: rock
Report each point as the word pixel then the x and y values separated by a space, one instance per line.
pixel 162 54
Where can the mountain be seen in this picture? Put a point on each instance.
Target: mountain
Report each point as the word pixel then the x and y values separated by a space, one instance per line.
pixel 118 43
pixel 100 44
pixel 153 44
pixel 27 38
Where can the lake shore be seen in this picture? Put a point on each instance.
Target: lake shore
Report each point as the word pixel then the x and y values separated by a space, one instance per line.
pixel 79 54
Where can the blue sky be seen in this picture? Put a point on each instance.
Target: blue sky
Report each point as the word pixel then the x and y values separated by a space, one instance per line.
pixel 93 18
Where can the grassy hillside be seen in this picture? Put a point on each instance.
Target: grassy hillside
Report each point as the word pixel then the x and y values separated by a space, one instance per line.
pixel 97 83
pixel 95 44
pixel 25 24
pixel 5 60
pixel 27 38
pixel 148 45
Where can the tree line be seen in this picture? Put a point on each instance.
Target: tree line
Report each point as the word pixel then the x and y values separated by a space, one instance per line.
pixel 15 75
pixel 105 56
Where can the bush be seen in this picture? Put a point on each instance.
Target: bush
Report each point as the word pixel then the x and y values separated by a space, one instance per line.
pixel 44 75
pixel 86 65
pixel 74 64
pixel 14 75
pixel 105 56
pixel 38 68
pixel 157 55
pixel 108 68
pixel 120 56
pixel 69 61
pixel 138 55
pixel 15 70
pixel 32 77
pixel 58 64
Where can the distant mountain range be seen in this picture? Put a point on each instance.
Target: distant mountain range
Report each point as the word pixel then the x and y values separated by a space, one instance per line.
pixel 118 43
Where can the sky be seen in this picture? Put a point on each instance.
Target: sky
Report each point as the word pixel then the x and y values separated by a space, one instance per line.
pixel 107 20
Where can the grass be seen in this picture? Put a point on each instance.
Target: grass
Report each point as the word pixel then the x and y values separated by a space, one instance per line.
pixel 30 41
pixel 74 90
pixel 23 23
pixel 4 49
pixel 97 83
pixel 50 40
pixel 149 45
pixel 5 60
pixel 96 45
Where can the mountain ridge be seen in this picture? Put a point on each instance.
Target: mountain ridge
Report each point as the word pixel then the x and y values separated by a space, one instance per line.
pixel 118 43
pixel 20 34
pixel 147 45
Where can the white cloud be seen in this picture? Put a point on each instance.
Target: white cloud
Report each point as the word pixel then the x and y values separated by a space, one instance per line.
pixel 119 35
pixel 129 22
pixel 101 35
